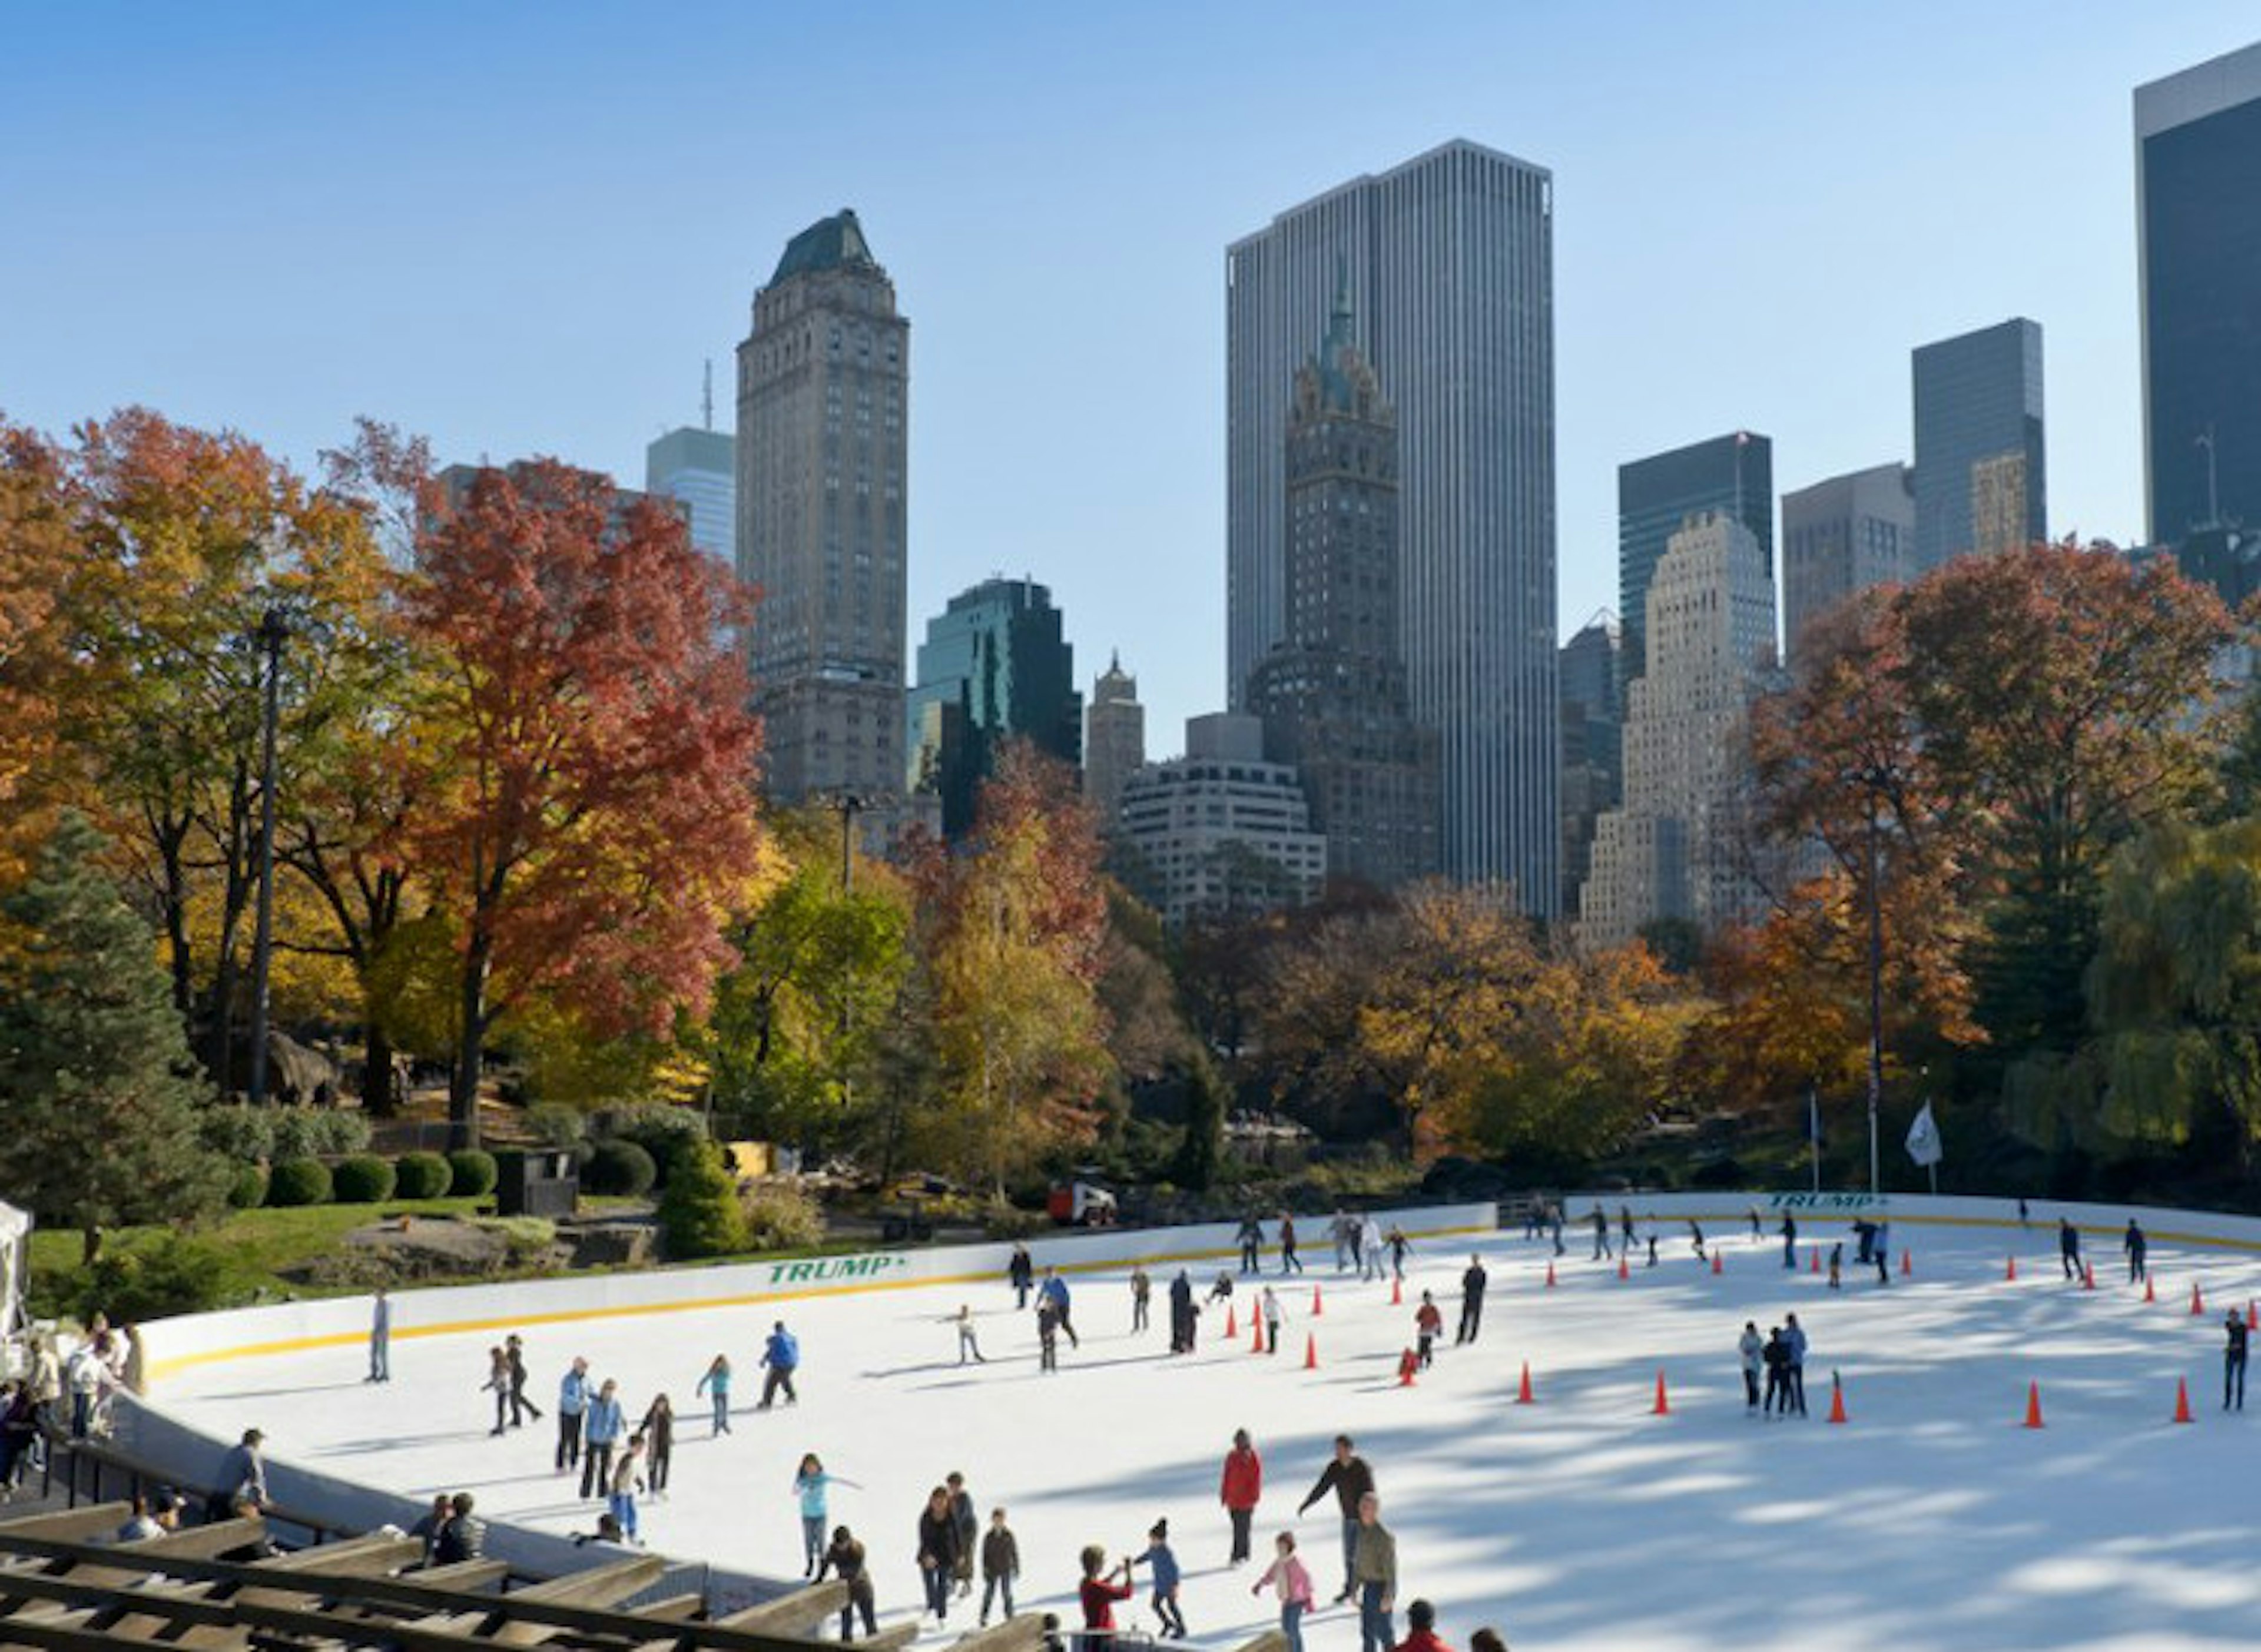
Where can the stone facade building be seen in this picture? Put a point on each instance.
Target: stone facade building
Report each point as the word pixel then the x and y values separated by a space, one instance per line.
pixel 1219 831
pixel 1114 741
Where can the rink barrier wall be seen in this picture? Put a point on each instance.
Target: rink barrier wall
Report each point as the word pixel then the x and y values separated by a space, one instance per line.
pixel 1726 1212
pixel 299 1328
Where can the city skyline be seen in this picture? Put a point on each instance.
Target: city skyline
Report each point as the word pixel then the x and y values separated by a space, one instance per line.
pixel 310 217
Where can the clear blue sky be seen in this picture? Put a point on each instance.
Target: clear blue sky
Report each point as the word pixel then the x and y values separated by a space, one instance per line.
pixel 522 228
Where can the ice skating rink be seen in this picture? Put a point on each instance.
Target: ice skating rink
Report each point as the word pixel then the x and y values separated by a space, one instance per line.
pixel 1932 1518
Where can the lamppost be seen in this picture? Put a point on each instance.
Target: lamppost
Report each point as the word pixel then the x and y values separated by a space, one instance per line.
pixel 273 631
pixel 1876 995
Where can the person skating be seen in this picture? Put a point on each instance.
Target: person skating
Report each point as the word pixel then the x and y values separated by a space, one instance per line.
pixel 812 1487
pixel 1348 1478
pixel 626 1481
pixel 1793 1338
pixel 938 1550
pixel 601 1430
pixel 1374 1568
pixel 1250 1237
pixel 1471 1298
pixel 573 1405
pixel 1421 1629
pixel 1167 1577
pixel 1776 1356
pixel 1652 1247
pixel 658 1433
pixel 520 1406
pixel 1428 1324
pixel 967 1519
pixel 1555 1225
pixel 2068 1247
pixel 781 1358
pixel 1182 1313
pixel 1240 1489
pixel 1001 1564
pixel 1601 1222
pixel 1789 1239
pixel 2233 1363
pixel 1343 1229
pixel 1054 1290
pixel 1624 1230
pixel 1286 1577
pixel 499 1382
pixel 2138 1249
pixel 1752 1346
pixel 845 1557
pixel 1758 1231
pixel 1048 1322
pixel 1097 1593
pixel 1370 1246
pixel 1289 1262
pixel 1836 1263
pixel 1021 1274
pixel 969 1346
pixel 716 1386
pixel 1273 1314
pixel 380 1338
pixel 1884 1252
pixel 1695 1237
pixel 1142 1291
pixel 1398 1246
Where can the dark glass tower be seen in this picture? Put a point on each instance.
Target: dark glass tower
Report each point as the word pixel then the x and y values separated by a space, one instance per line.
pixel 2197 208
pixel 995 665
pixel 1733 475
pixel 1981 481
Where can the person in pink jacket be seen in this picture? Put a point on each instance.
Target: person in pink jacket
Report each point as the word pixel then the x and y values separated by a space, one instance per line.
pixel 1293 1584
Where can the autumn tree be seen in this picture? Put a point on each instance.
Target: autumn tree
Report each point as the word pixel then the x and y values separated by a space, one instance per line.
pixel 1012 924
pixel 36 551
pixel 97 1106
pixel 591 829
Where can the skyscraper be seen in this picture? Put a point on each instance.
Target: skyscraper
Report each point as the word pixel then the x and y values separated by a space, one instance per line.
pixel 1981 481
pixel 995 666
pixel 700 470
pixel 1593 744
pixel 1843 535
pixel 1452 257
pixel 822 386
pixel 2198 211
pixel 1219 830
pixel 1732 475
pixel 1114 740
pixel 1670 851
pixel 1331 692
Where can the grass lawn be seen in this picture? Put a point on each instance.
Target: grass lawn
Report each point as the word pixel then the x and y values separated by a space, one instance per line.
pixel 265 1241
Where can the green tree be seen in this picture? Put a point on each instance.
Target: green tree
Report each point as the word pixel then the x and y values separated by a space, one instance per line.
pixel 699 1210
pixel 1203 1147
pixel 98 1117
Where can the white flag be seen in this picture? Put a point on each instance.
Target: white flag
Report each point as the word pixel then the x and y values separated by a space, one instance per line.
pixel 1923 1138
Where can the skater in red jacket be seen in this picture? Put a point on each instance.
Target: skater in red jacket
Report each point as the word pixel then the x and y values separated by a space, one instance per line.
pixel 1243 1486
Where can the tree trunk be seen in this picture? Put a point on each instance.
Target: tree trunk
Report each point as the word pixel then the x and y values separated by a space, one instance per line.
pixel 377 1097
pixel 89 1244
pixel 463 1088
pixel 221 1056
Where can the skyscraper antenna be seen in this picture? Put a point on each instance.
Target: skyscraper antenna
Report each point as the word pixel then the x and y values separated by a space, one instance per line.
pixel 706 398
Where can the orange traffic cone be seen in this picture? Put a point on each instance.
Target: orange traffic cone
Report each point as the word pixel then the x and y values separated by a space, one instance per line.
pixel 1836 1399
pixel 1523 1394
pixel 1232 1323
pixel 1622 1271
pixel 2011 1274
pixel 1256 1338
pixel 2198 1303
pixel 2148 1294
pixel 1311 1352
pixel 1317 1307
pixel 2182 1401
pixel 1663 1406
pixel 1396 1292
pixel 1408 1362
pixel 1716 1262
pixel 1908 1264
pixel 2033 1405
pixel 1550 1275
pixel 2088 1277
pixel 1813 1260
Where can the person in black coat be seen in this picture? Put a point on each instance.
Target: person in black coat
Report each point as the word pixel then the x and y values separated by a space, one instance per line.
pixel 1472 1296
pixel 846 1557
pixel 938 1550
pixel 1021 1274
pixel 1182 1313
pixel 1776 1355
pixel 2233 1363
pixel 2068 1247
pixel 2138 1249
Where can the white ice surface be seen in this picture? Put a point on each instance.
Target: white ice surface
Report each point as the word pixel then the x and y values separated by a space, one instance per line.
pixel 1932 1521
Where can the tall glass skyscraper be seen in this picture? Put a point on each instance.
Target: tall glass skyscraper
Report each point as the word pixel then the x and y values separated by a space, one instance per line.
pixel 1449 258
pixel 1981 482
pixel 700 468
pixel 2198 211
pixel 1730 475
pixel 996 664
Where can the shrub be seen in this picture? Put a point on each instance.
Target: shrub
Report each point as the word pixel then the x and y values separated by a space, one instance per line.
pixel 529 1238
pixel 422 1175
pixel 661 1130
pixel 472 1173
pixel 249 1190
pixel 296 1182
pixel 699 1214
pixel 619 1166
pixel 241 1133
pixel 306 1132
pixel 1003 1220
pixel 556 1126
pixel 779 1215
pixel 364 1179
pixel 169 1275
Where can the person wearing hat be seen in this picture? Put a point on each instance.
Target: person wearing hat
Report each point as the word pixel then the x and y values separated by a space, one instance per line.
pixel 1167 1578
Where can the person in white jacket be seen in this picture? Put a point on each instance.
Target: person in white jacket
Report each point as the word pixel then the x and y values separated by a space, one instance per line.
pixel 1754 1348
